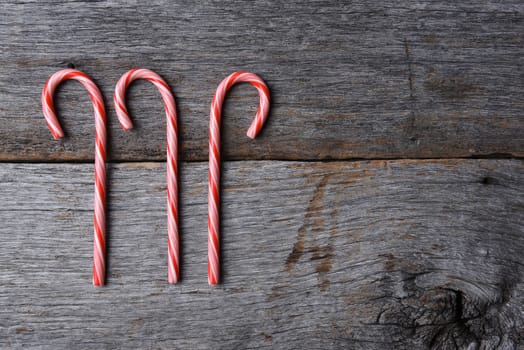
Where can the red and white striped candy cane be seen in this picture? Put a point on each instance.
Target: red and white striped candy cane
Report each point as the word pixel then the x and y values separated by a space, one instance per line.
pixel 172 151
pixel 213 266
pixel 99 251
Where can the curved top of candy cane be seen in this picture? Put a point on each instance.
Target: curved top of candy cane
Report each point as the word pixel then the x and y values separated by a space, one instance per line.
pixel 263 91
pixel 128 78
pixel 50 86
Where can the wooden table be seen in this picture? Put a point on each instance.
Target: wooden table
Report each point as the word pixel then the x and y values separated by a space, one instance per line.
pixel 382 207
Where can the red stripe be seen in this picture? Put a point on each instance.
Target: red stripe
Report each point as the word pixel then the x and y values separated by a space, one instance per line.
pixel 170 107
pixel 100 132
pixel 214 160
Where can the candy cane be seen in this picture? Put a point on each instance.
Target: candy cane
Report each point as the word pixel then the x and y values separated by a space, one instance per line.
pixel 99 251
pixel 172 143
pixel 213 265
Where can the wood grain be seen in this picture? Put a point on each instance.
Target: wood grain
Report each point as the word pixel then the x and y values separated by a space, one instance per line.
pixel 398 254
pixel 358 255
pixel 353 79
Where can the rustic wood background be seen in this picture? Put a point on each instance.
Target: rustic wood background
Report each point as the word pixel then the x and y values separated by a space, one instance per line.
pixel 382 207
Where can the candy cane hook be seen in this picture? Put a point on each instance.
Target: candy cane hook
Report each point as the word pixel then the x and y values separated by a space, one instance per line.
pixel 172 145
pixel 213 266
pixel 99 251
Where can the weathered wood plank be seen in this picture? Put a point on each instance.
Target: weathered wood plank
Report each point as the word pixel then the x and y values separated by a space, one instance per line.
pixel 399 79
pixel 360 255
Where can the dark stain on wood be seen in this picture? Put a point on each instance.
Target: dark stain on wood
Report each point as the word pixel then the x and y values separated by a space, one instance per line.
pixel 267 337
pixel 136 324
pixel 430 39
pixel 389 262
pixel 297 251
pixel 313 220
pixel 455 86
pixel 277 291
pixel 488 180
pixel 21 329
pixel 324 265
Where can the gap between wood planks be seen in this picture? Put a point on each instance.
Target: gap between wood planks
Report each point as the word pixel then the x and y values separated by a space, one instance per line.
pixel 347 160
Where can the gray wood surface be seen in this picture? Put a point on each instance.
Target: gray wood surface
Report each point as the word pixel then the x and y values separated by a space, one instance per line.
pixel 358 255
pixel 353 79
pixel 321 250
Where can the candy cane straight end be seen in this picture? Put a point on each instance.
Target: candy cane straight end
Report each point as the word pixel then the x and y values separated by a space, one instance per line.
pixel 212 272
pixel 97 283
pixel 173 273
pixel 126 128
pixel 211 279
pixel 57 135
